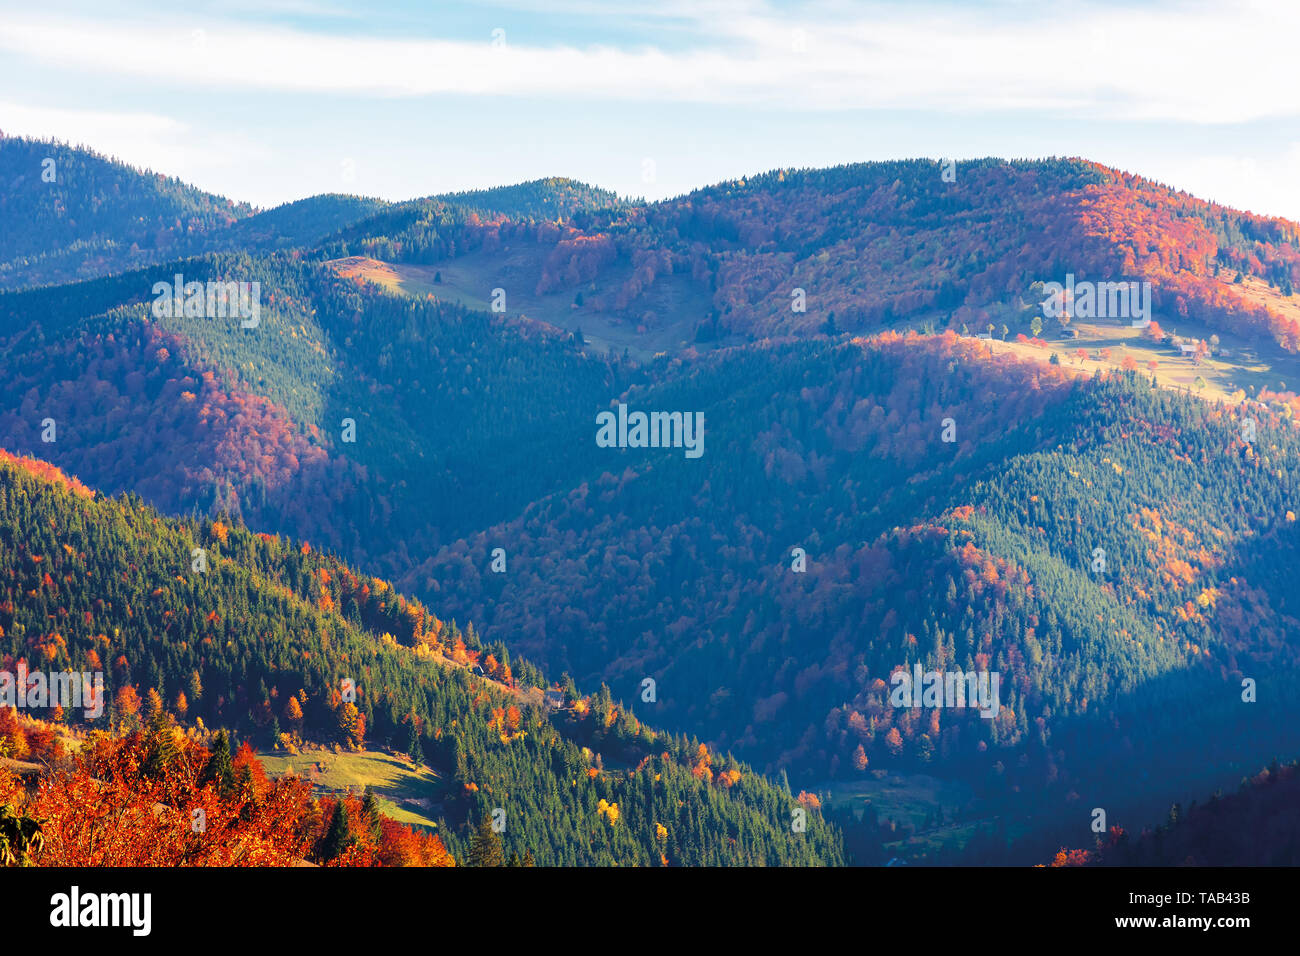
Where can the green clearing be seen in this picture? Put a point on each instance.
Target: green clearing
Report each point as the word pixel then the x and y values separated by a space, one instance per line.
pixel 1247 367
pixel 906 799
pixel 406 793
pixel 663 320
pixel 912 801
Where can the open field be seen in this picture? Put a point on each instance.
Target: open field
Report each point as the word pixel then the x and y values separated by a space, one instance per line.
pixel 906 799
pixel 406 793
pixel 666 315
pixel 911 800
pixel 1247 368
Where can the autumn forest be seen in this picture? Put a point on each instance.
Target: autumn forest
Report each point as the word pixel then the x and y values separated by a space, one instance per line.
pixel 363 589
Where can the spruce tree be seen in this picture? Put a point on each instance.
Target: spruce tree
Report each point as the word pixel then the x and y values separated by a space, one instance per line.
pixel 220 768
pixel 339 836
pixel 162 749
pixel 485 847
pixel 414 749
pixel 370 807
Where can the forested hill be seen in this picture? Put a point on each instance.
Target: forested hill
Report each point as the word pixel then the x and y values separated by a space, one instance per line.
pixel 67 213
pixel 863 503
pixel 1254 826
pixel 977 554
pixel 196 413
pixel 864 246
pixel 825 444
pixel 868 245
pixel 554 198
pixel 261 634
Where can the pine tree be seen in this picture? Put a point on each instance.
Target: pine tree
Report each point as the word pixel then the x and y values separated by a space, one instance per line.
pixel 414 749
pixel 220 769
pixel 485 847
pixel 162 744
pixel 370 807
pixel 339 836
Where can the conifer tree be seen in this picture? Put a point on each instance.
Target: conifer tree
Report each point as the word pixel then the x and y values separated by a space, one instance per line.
pixel 414 749
pixel 220 769
pixel 162 749
pixel 339 836
pixel 485 847
pixel 370 807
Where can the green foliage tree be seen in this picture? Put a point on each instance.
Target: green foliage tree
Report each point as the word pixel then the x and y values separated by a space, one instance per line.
pixel 220 768
pixel 339 836
pixel 486 848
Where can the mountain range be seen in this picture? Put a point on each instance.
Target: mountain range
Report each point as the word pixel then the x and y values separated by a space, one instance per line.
pixel 907 461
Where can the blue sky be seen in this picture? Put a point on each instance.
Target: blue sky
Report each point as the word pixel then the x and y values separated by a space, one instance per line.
pixel 274 100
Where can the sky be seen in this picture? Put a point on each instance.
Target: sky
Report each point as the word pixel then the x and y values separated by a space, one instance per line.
pixel 268 101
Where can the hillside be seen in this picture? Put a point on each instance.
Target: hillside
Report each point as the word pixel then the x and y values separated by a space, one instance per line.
pixel 384 412
pixel 156 794
pixel 249 421
pixel 68 213
pixel 554 198
pixel 263 638
pixel 1254 826
pixel 302 223
pixel 871 245
pixel 974 555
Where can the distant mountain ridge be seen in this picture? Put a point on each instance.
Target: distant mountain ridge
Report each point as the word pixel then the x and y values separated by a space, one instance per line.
pixel 68 213
pixel 869 244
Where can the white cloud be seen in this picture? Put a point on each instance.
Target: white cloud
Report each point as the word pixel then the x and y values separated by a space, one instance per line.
pixel 1095 61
